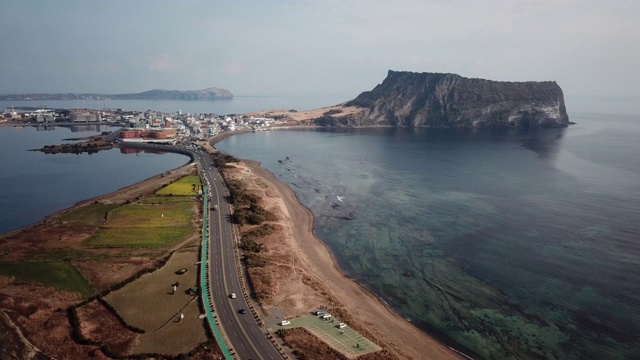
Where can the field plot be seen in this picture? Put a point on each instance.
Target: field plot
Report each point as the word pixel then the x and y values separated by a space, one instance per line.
pixel 158 200
pixel 146 226
pixel 87 216
pixel 187 186
pixel 134 215
pixel 138 237
pixel 57 274
pixel 177 337
pixel 347 341
pixel 69 255
pixel 99 324
pixel 150 304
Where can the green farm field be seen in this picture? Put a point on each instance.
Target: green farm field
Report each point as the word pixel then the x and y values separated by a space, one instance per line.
pixel 145 226
pixel 158 200
pixel 58 274
pixel 134 215
pixel 87 216
pixel 140 237
pixel 187 186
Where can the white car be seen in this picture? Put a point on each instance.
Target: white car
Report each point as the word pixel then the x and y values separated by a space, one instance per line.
pixel 341 326
pixel 285 322
pixel 233 295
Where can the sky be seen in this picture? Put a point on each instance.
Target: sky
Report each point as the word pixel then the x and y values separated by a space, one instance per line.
pixel 310 48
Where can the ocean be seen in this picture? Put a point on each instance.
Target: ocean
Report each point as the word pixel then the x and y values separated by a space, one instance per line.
pixel 34 185
pixel 502 243
pixel 238 105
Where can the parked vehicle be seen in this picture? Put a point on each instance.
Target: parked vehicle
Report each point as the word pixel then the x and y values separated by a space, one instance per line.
pixel 285 322
pixel 326 316
pixel 341 326
pixel 319 312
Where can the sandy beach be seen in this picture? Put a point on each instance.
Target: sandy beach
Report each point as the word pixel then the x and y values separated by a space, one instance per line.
pixel 312 257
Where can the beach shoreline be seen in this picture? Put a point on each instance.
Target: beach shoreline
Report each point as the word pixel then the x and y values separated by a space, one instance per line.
pixel 398 333
pixel 390 329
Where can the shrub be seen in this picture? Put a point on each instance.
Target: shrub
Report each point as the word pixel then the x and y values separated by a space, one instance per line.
pixel 332 112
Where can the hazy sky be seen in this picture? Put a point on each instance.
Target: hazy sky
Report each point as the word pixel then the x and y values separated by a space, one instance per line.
pixel 314 47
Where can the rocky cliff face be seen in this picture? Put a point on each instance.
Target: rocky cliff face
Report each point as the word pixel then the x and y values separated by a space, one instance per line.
pixel 449 100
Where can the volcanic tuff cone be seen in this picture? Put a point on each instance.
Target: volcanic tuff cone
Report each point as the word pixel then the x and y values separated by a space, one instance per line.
pixel 408 99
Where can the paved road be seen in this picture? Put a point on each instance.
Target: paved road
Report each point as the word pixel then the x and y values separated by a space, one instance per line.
pixel 246 337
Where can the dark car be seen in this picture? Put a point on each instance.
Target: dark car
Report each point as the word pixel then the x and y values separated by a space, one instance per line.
pixel 242 311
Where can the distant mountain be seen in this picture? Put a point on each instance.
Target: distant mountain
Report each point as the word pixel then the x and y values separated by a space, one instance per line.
pixel 408 99
pixel 212 93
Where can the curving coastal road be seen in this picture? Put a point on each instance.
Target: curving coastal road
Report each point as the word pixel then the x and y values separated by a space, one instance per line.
pixel 246 337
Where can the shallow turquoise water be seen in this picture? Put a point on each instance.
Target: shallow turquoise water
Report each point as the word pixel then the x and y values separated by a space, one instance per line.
pixel 504 243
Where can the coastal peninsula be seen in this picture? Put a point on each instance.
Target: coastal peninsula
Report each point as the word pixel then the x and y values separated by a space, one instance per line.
pixel 302 275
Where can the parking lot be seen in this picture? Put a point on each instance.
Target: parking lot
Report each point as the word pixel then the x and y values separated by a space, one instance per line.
pixel 347 341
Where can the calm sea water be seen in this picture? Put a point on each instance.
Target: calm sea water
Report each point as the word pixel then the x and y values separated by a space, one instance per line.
pixel 505 243
pixel 237 105
pixel 34 184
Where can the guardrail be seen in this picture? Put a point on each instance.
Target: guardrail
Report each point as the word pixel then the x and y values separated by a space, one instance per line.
pixel 204 283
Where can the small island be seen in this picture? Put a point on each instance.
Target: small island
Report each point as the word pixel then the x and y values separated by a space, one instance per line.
pixel 89 145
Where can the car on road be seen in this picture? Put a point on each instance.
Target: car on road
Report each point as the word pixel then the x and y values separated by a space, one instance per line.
pixel 233 295
pixel 285 322
pixel 242 311
pixel 341 326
